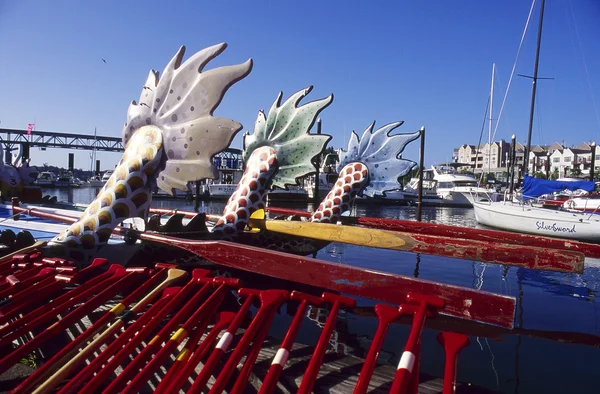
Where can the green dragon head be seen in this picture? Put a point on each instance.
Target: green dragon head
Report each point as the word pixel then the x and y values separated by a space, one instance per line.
pixel 286 130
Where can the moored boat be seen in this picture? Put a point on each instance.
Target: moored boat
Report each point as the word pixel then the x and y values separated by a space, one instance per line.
pixel 589 203
pixel 445 186
pixel 527 218
pixel 46 179
pixel 96 181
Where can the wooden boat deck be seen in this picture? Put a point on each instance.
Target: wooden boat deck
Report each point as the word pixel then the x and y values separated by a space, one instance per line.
pixel 338 373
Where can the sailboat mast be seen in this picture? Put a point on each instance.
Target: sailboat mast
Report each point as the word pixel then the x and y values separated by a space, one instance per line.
pixel 490 118
pixel 533 89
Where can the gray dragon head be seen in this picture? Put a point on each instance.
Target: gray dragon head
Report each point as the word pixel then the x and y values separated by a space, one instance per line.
pixel 382 154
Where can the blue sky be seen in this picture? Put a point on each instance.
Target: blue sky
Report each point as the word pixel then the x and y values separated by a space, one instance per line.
pixel 425 62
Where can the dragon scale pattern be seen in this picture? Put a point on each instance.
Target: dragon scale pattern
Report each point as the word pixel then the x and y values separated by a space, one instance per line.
pixel 250 193
pixel 352 179
pixel 126 194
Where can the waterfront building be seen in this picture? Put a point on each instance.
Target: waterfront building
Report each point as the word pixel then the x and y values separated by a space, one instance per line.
pixel 555 161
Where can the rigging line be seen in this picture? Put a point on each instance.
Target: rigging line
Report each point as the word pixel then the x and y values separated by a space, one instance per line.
pixel 587 74
pixel 512 73
pixel 487 107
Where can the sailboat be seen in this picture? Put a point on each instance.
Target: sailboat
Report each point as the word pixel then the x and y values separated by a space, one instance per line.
pixel 523 216
pixel 96 179
pixel 445 186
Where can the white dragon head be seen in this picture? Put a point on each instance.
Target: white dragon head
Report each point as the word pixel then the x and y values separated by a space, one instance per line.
pixel 180 103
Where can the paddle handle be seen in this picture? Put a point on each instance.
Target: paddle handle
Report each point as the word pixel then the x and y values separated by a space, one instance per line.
pixel 66 370
pixel 26 249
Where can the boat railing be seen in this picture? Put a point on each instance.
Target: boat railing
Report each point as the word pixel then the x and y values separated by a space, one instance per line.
pixel 570 206
pixel 476 193
pixel 592 213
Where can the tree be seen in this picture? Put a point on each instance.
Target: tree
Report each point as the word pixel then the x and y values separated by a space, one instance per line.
pixel 575 172
pixel 540 175
pixel 554 175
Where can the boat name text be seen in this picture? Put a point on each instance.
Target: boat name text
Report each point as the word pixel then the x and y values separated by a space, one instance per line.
pixel 541 225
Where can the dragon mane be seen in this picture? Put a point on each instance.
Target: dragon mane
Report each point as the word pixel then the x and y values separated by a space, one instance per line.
pixel 382 154
pixel 181 103
pixel 286 130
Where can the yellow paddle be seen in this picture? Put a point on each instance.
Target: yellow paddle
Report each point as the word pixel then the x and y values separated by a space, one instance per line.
pixel 354 235
pixel 535 258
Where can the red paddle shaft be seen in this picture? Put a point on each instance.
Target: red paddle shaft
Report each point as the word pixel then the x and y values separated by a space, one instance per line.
pixel 453 344
pixel 316 360
pixel 407 361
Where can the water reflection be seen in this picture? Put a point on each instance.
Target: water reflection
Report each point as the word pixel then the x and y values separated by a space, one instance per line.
pixel 557 314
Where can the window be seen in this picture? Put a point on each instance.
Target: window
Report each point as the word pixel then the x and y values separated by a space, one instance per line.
pixel 445 185
pixel 555 159
pixel 464 184
pixel 567 159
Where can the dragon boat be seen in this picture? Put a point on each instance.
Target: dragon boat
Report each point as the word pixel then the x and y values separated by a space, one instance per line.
pixel 190 303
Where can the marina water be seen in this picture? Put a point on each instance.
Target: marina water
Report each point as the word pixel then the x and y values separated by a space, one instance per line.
pixel 530 360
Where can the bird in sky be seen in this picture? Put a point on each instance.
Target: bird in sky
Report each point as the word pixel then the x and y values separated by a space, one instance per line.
pixel 104 60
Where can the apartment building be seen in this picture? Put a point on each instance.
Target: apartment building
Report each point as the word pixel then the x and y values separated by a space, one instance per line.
pixel 574 161
pixel 490 157
pixel 555 160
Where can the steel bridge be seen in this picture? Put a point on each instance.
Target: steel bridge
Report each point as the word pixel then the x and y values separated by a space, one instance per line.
pixel 10 138
pixel 46 139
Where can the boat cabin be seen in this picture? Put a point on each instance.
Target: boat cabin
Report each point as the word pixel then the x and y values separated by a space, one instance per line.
pixel 46 178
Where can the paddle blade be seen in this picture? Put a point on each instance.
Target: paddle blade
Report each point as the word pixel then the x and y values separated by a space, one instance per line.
pixel 259 214
pixel 257 219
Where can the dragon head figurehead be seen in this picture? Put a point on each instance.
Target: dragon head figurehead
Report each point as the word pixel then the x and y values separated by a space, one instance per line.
pixel 370 166
pixel 170 138
pixel 280 151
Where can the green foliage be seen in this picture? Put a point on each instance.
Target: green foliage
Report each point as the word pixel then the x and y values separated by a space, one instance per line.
pixel 414 173
pixel 575 172
pixel 554 175
pixel 30 361
pixel 540 175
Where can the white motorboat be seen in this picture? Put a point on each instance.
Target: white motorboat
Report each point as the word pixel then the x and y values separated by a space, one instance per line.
pixel 76 182
pixel 328 175
pixel 106 176
pixel 443 185
pixel 64 180
pixel 589 203
pixel 225 185
pixel 221 190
